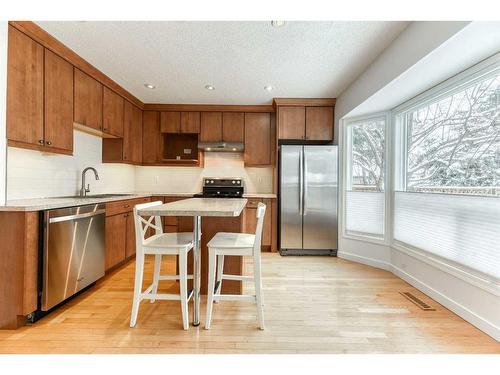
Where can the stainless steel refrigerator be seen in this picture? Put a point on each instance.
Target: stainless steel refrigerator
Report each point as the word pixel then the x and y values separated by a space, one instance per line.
pixel 308 200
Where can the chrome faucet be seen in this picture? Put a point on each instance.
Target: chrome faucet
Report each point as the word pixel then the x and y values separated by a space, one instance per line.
pixel 84 190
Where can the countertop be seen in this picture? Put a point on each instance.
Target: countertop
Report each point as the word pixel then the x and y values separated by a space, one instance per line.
pixel 198 207
pixel 39 204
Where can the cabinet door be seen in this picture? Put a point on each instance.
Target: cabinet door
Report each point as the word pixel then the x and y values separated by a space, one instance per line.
pixel 115 239
pixel 88 101
pixel 150 137
pixel 112 113
pixel 251 220
pixel 292 122
pixel 128 130
pixel 137 135
pixel 319 123
pixel 24 89
pixel 190 122
pixel 211 127
pixel 58 102
pixel 233 127
pixel 257 139
pixel 130 237
pixel 170 122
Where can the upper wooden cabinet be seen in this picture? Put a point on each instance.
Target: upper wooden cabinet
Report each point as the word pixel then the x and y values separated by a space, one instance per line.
pixel 112 113
pixel 190 122
pixel 292 122
pixel 305 119
pixel 233 126
pixel 58 109
pixel 319 123
pixel 180 122
pixel 88 101
pixel 150 137
pixel 132 133
pixel 24 89
pixel 211 127
pixel 258 136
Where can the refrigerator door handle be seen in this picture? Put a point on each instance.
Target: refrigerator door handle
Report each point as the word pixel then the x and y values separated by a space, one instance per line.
pixel 301 182
pixel 304 182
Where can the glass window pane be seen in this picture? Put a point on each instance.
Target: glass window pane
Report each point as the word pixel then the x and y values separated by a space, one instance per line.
pixel 453 145
pixel 367 155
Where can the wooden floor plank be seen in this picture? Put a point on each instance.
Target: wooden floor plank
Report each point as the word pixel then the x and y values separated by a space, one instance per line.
pixel 312 305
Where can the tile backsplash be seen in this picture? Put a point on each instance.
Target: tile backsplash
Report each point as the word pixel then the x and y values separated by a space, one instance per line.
pixel 189 179
pixel 32 174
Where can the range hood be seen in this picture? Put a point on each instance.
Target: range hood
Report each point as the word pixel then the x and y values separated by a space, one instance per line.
pixel 221 146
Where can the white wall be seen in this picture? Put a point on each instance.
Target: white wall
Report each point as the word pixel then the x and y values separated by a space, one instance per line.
pixel 32 174
pixel 189 179
pixel 3 109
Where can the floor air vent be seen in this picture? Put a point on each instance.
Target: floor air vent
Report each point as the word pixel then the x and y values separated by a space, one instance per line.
pixel 417 301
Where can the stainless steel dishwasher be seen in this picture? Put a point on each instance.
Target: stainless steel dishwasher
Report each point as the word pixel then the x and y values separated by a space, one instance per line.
pixel 73 251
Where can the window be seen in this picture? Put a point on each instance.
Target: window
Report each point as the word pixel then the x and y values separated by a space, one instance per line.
pixel 453 143
pixel 365 197
pixel 447 163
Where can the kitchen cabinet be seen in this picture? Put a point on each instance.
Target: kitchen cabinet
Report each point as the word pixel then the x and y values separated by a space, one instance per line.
pixel 132 134
pixel 250 221
pixel 319 123
pixel 112 113
pixel 115 239
pixel 190 122
pixel 58 108
pixel 258 135
pixel 120 231
pixel 88 100
pixel 233 126
pixel 292 122
pixel 180 122
pixel 222 126
pixel 24 90
pixel 150 137
pixel 211 127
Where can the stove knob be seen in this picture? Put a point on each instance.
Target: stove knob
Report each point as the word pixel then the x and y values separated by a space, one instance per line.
pixel 218 192
pixel 234 182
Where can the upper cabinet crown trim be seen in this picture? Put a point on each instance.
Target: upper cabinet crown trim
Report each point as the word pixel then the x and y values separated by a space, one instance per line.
pixel 318 102
pixel 207 108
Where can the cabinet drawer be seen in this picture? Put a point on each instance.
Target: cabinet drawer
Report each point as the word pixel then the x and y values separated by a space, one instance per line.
pixel 114 208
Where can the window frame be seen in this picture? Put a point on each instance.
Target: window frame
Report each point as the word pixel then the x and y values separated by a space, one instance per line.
pixel 485 69
pixel 347 123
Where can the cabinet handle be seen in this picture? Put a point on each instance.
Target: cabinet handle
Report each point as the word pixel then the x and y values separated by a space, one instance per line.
pixel 49 143
pixel 41 141
pixel 126 206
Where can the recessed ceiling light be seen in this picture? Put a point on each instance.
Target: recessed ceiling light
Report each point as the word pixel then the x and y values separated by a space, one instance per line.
pixel 278 23
pixel 149 86
pixel 268 88
pixel 210 87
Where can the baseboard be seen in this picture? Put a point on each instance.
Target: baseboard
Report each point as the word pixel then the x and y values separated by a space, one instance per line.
pixel 468 315
pixel 364 260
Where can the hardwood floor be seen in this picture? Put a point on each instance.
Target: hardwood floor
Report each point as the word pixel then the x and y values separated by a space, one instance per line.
pixel 312 305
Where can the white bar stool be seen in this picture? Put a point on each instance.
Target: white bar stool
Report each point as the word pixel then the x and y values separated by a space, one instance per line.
pixel 160 244
pixel 235 244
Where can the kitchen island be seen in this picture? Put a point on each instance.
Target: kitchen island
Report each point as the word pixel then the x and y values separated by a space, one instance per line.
pixel 220 215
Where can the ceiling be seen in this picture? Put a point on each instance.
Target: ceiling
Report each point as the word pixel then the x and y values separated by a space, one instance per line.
pixel 299 59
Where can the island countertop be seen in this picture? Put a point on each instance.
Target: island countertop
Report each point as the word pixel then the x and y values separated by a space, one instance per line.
pixel 199 207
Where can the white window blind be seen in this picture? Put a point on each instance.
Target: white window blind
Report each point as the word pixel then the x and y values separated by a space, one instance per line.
pixel 463 229
pixel 365 212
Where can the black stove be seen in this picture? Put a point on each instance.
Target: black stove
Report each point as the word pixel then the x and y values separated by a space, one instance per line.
pixel 221 188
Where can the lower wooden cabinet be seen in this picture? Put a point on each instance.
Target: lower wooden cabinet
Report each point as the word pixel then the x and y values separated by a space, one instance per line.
pixel 250 222
pixel 116 239
pixel 120 231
